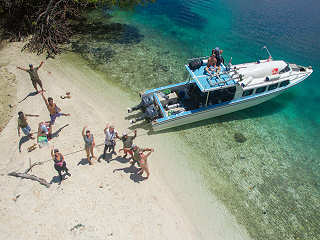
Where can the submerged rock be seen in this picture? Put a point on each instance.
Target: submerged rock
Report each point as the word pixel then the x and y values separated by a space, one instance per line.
pixel 240 138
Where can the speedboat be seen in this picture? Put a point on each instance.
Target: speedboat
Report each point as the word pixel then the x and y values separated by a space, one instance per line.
pixel 203 96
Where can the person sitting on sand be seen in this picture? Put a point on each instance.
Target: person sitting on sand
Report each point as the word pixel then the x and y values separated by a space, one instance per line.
pixel 127 143
pixel 88 143
pixel 59 163
pixel 144 162
pixel 53 109
pixel 44 133
pixel 110 142
pixel 23 124
pixel 33 72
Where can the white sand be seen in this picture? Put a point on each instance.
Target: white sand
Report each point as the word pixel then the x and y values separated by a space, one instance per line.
pixel 109 205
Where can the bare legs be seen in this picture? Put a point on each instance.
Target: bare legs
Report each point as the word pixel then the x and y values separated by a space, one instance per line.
pixel 144 168
pixel 34 83
pixel 89 150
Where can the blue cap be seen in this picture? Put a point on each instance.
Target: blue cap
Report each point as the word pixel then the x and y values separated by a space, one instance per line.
pixel 30 65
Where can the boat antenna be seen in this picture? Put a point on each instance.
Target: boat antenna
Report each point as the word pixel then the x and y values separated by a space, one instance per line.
pixel 265 47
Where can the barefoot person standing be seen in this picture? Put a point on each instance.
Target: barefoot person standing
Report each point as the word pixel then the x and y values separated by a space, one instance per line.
pixel 144 162
pixel 88 143
pixel 127 143
pixel 59 163
pixel 23 124
pixel 110 142
pixel 53 109
pixel 33 72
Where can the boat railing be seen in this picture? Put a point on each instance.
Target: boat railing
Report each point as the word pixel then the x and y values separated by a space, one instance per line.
pixel 202 58
pixel 224 82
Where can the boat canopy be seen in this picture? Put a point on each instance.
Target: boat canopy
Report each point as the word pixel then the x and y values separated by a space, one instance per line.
pixel 207 83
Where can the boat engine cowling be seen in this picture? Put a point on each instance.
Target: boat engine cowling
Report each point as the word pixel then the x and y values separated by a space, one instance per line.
pixel 195 64
pixel 151 113
pixel 147 100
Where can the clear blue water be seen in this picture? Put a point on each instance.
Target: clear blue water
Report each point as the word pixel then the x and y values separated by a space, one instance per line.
pixel 270 182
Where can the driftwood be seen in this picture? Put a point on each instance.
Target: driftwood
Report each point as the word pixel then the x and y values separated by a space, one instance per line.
pixel 31 177
pixel 31 166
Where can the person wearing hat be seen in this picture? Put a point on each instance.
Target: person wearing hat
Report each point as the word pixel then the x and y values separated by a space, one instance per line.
pixel 59 163
pixel 127 143
pixel 23 124
pixel 33 72
pixel 88 143
pixel 110 142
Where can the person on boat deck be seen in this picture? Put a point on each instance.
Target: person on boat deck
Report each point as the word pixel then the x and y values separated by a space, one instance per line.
pixel 211 65
pixel 23 124
pixel 218 55
pixel 53 109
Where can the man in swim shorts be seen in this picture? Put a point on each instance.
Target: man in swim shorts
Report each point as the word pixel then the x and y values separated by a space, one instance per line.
pixel 211 65
pixel 33 72
pixel 53 109
pixel 127 143
pixel 23 124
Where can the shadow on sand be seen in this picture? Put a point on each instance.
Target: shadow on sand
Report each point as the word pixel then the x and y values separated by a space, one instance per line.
pixel 29 95
pixel 23 140
pixel 56 179
pixel 56 133
pixel 133 171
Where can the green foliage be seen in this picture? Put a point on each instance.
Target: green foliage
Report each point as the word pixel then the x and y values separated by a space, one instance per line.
pixel 47 20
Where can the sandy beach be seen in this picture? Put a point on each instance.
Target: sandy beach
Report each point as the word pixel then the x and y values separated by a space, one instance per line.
pixel 105 200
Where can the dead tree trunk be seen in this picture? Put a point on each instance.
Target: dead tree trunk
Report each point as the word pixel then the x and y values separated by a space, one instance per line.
pixel 31 177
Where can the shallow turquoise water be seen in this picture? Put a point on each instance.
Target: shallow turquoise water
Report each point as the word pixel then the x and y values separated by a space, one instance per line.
pixel 271 181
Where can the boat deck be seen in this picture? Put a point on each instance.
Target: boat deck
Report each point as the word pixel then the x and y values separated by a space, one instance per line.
pixel 207 83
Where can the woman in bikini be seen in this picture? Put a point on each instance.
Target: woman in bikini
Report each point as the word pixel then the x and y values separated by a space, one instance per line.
pixel 144 163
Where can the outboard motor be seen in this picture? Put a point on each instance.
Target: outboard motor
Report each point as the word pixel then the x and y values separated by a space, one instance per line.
pixel 149 115
pixel 195 64
pixel 146 101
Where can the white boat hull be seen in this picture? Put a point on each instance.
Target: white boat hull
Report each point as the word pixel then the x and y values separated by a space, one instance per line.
pixel 214 112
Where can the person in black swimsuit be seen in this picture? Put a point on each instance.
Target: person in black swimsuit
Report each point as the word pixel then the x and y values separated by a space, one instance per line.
pixel 59 163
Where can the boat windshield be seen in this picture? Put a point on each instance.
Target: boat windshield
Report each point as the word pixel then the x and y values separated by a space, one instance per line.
pixel 286 69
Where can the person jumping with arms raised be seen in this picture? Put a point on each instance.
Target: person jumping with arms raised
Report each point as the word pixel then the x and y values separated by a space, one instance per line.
pixel 33 72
